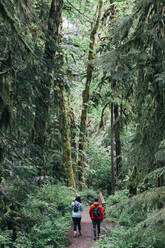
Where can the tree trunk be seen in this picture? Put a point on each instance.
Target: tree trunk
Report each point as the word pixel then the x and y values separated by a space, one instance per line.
pixel 117 139
pixel 73 137
pixel 55 24
pixel 4 111
pixel 85 96
pixel 54 62
pixel 133 182
pixel 112 152
pixel 64 130
pixel 44 86
pixel 160 179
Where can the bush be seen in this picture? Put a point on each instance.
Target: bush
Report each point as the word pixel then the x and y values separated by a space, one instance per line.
pixel 118 197
pixel 97 173
pixel 141 221
pixel 136 209
pixel 5 238
pixel 47 215
pixel 133 237
pixel 88 196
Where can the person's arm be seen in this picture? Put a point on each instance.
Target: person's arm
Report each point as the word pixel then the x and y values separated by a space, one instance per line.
pixel 90 211
pixel 81 207
pixel 101 212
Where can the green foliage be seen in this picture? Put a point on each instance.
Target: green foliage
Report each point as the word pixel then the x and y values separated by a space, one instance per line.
pixel 146 45
pixel 119 196
pixel 5 238
pixel 136 209
pixel 130 54
pixel 98 166
pixel 140 222
pixel 41 220
pixel 88 196
pixel 99 179
pixel 120 237
pixel 45 218
pixel 151 179
pixel 160 155
pixel 131 58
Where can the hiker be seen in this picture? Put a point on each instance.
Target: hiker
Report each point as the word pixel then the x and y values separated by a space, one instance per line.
pixel 76 215
pixel 96 213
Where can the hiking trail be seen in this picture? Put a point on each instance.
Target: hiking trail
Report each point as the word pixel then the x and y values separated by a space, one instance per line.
pixel 86 240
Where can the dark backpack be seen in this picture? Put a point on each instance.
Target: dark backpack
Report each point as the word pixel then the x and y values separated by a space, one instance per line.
pixel 96 211
pixel 75 207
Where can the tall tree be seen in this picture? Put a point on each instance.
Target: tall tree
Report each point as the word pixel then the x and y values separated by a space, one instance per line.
pixel 112 149
pixel 59 90
pixel 117 138
pixel 141 49
pixel 86 95
pixel 54 59
pixel 73 135
pixel 65 132
pixel 44 86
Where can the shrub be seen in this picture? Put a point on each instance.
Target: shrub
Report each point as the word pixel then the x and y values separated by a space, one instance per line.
pixel 46 218
pixel 5 238
pixel 133 210
pixel 133 237
pixel 118 197
pixel 141 221
pixel 88 196
pixel 97 172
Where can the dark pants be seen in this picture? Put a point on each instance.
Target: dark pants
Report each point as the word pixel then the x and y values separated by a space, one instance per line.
pixel 96 225
pixel 76 222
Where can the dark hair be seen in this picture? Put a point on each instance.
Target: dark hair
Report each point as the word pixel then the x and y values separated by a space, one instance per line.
pixel 78 199
pixel 96 199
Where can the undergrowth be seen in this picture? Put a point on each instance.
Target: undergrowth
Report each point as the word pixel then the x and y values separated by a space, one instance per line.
pixel 88 196
pixel 43 220
pixel 140 221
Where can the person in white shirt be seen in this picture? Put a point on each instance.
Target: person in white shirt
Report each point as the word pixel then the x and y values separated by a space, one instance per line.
pixel 77 209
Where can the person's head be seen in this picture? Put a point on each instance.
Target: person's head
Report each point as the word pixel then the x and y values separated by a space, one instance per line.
pixel 96 199
pixel 78 198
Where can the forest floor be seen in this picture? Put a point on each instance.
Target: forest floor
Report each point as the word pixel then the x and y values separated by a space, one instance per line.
pixel 86 240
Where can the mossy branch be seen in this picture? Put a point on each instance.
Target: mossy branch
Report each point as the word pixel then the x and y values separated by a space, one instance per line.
pixel 13 24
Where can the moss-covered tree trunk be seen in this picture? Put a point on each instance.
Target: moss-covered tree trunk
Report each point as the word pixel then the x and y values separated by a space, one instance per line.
pixel 64 130
pixel 53 65
pixel 85 96
pixel 44 86
pixel 73 136
pixel 60 93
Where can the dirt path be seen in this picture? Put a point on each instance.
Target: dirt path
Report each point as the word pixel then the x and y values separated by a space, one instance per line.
pixel 86 240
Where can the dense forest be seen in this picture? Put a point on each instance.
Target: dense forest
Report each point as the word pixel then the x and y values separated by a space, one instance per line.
pixel 82 109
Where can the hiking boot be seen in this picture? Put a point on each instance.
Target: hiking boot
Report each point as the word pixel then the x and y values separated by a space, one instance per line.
pixel 74 234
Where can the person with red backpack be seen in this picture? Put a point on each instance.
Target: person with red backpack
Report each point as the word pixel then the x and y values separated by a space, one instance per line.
pixel 96 213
